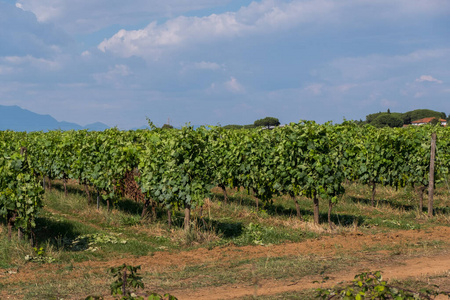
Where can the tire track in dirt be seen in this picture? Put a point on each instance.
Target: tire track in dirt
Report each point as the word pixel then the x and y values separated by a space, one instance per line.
pixel 326 246
pixel 411 268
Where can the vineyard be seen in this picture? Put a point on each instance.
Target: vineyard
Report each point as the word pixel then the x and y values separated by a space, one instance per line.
pixel 175 178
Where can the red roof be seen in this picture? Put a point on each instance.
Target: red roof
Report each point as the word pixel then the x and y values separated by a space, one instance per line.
pixel 427 120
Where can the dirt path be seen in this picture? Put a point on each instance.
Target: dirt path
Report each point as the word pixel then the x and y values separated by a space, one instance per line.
pixel 412 268
pixel 428 261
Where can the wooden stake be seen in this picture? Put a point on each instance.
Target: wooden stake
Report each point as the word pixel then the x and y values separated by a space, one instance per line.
pixel 372 200
pixel 431 175
pixel 316 208
pixel 187 217
pixel 169 218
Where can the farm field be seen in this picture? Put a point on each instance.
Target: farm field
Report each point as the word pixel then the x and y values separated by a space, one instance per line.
pixel 233 250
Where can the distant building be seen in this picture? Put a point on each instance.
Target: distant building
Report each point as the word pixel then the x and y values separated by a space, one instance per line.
pixel 428 121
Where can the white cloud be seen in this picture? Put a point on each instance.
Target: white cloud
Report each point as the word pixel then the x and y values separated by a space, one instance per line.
pixel 258 18
pixel 44 10
pixel 419 94
pixel 346 87
pixel 114 75
pixel 5 70
pixel 82 16
pixel 234 86
pixel 219 88
pixel 428 78
pixel 30 61
pixel 315 89
pixel 205 65
pixel 202 65
pixel 254 58
pixel 21 34
pixel 362 68
pixel 389 103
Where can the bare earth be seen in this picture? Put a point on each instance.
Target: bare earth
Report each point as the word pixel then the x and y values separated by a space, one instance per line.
pixel 414 265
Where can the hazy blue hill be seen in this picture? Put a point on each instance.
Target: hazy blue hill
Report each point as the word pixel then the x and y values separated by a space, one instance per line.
pixel 97 126
pixel 19 119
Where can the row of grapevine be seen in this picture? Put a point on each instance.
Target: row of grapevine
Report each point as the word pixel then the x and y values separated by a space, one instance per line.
pixel 20 191
pixel 178 168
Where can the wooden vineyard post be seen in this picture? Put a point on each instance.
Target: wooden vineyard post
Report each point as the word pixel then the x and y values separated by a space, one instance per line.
pixel 187 217
pixel 431 175
pixel 98 200
pixel 316 208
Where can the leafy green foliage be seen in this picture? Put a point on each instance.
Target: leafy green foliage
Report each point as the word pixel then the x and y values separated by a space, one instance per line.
pixel 127 282
pixel 20 191
pixel 267 121
pixel 387 120
pixel 308 163
pixel 126 278
pixel 177 168
pixel 89 242
pixel 174 167
pixel 40 256
pixel 370 285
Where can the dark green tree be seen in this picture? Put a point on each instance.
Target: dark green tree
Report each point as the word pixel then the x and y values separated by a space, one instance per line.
pixel 387 120
pixel 406 119
pixel 267 122
pixel 423 113
pixel 370 118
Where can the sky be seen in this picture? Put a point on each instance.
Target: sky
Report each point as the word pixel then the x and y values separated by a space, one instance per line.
pixel 221 62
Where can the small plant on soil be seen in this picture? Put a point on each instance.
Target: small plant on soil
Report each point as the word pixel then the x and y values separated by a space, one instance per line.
pixel 127 281
pixel 88 242
pixel 370 285
pixel 40 256
pixel 126 278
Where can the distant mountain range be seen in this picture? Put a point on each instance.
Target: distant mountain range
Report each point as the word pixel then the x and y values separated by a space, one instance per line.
pixel 19 119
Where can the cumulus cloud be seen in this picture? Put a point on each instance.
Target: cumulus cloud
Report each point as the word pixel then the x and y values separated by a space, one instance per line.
pixel 83 16
pixel 428 78
pixel 366 67
pixel 258 18
pixel 234 86
pixel 21 34
pixel 202 65
pixel 253 58
pixel 315 89
pixel 388 103
pixel 113 76
pixel 206 65
pixel 229 86
pixel 30 61
pixel 346 87
pixel 5 70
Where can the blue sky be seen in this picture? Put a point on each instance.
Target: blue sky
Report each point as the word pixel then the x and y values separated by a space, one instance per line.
pixel 223 62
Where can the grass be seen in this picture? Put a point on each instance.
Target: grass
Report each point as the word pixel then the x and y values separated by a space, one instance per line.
pixel 436 282
pixel 219 273
pixel 66 220
pixel 302 295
